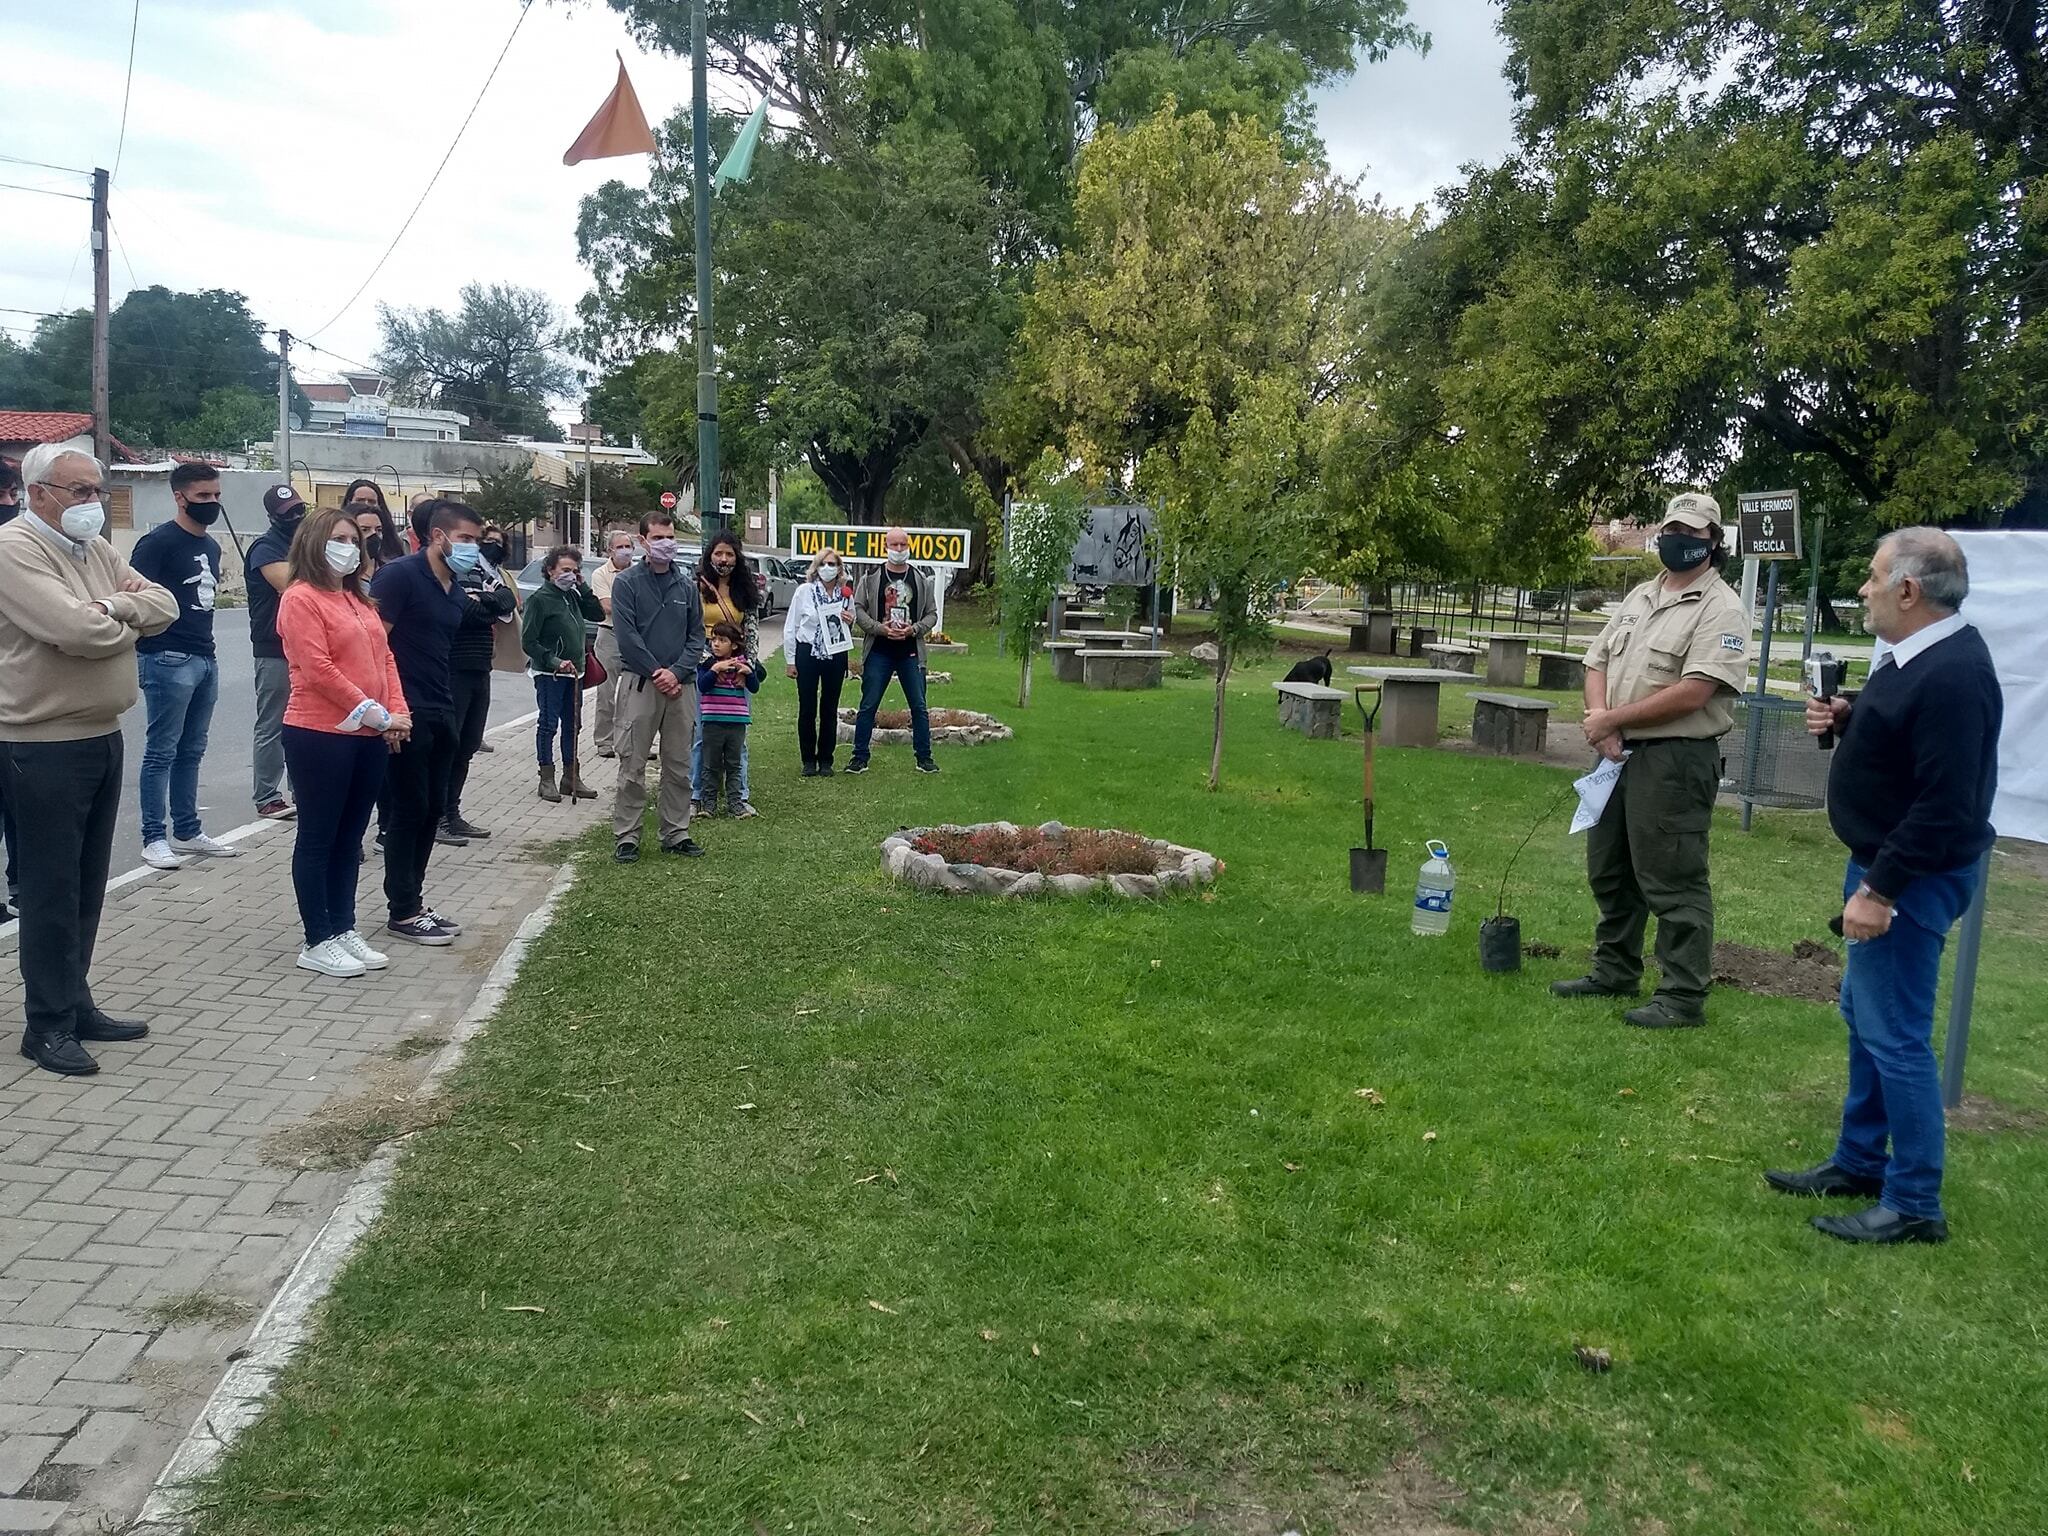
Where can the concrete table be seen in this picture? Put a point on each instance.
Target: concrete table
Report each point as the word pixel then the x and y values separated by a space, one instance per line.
pixel 1312 709
pixel 1509 724
pixel 1129 639
pixel 1507 657
pixel 1123 669
pixel 1066 659
pixel 1083 620
pixel 1560 671
pixel 1420 638
pixel 1453 658
pixel 1410 701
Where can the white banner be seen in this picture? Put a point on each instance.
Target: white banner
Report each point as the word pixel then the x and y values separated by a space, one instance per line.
pixel 2008 586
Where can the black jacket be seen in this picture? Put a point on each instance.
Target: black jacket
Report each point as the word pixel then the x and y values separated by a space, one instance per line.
pixel 490 596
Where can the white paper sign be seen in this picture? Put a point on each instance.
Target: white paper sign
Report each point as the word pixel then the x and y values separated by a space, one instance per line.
pixel 1595 790
pixel 2008 577
pixel 837 632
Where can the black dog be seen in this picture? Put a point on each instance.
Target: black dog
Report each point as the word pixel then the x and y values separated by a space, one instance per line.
pixel 1316 669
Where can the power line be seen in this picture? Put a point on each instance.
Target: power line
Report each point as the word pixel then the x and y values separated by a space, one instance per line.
pixel 15 186
pixel 43 165
pixel 523 10
pixel 134 26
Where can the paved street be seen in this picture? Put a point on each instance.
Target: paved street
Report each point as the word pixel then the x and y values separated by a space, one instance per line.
pixel 225 778
pixel 149 1213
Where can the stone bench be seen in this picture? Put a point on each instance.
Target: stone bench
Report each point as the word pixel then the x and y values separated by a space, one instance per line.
pixel 1084 620
pixel 1376 635
pixel 1066 659
pixel 1128 639
pixel 1507 657
pixel 1560 671
pixel 1411 698
pixel 1311 709
pixel 1509 724
pixel 1420 639
pixel 1453 658
pixel 1121 669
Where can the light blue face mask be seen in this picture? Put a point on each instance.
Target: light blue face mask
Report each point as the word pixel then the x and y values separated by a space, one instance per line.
pixel 462 558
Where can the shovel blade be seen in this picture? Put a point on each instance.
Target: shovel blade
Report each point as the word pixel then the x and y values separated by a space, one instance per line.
pixel 1369 871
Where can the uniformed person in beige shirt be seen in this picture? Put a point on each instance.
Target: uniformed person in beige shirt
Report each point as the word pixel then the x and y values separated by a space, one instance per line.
pixel 1661 683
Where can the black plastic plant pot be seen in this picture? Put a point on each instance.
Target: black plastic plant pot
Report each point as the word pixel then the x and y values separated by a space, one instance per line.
pixel 1500 944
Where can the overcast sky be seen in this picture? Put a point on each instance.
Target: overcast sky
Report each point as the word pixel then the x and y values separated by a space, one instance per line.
pixel 275 148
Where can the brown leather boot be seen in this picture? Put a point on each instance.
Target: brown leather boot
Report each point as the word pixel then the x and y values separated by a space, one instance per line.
pixel 573 785
pixel 548 792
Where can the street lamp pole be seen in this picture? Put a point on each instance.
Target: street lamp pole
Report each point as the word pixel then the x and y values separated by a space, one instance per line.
pixel 700 202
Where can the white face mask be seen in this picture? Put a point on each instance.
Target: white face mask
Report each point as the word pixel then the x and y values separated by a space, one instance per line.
pixel 343 556
pixel 828 573
pixel 898 558
pixel 84 523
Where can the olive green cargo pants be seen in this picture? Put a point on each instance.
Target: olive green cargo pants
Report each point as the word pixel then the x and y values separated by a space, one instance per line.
pixel 1648 854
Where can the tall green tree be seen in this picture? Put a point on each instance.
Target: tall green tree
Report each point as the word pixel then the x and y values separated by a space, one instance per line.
pixel 496 359
pixel 1193 343
pixel 1751 242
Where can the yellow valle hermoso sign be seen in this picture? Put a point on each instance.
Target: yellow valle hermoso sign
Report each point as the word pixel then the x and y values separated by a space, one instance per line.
pixel 945 548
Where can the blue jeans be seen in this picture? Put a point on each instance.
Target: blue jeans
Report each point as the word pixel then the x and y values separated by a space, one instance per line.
pixel 559 716
pixel 875 673
pixel 180 690
pixel 1894 1092
pixel 697 766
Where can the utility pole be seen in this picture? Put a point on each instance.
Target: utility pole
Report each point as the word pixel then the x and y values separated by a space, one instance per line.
pixel 700 202
pixel 102 428
pixel 774 530
pixel 589 432
pixel 284 405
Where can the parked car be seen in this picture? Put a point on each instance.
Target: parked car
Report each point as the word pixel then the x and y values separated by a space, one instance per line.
pixel 529 579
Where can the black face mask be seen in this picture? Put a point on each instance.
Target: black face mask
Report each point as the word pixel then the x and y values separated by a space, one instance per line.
pixel 1683 552
pixel 9 511
pixel 204 513
pixel 493 551
pixel 289 523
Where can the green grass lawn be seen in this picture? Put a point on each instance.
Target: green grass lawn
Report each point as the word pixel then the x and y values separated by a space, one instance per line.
pixel 853 1209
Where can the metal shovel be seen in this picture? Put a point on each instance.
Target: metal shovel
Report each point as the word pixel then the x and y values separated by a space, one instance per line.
pixel 1368 864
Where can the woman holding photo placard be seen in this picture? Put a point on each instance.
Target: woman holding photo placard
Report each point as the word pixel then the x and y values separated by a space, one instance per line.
pixel 817 637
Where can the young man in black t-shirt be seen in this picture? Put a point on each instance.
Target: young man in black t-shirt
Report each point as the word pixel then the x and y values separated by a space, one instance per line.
pixel 263 572
pixel 179 674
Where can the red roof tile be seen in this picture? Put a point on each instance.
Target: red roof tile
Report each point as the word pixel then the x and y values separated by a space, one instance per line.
pixel 43 426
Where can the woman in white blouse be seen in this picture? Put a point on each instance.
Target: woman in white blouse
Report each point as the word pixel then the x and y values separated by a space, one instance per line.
pixel 816 637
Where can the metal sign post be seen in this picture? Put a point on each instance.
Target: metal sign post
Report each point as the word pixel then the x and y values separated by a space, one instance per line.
pixel 1769 523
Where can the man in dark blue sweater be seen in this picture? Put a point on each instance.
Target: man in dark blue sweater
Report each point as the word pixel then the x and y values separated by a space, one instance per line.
pixel 1910 794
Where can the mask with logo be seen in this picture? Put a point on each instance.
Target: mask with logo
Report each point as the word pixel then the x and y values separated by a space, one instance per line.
pixel 204 513
pixel 462 558
pixel 84 523
pixel 1683 552
pixel 567 581
pixel 342 556
pixel 664 550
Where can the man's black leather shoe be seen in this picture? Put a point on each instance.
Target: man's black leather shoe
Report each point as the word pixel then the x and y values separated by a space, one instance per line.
pixel 1586 986
pixel 1824 1182
pixel 1881 1224
pixel 60 1054
pixel 1659 1014
pixel 103 1026
pixel 688 847
pixel 626 853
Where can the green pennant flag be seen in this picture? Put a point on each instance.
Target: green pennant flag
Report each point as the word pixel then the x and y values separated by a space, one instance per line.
pixel 738 163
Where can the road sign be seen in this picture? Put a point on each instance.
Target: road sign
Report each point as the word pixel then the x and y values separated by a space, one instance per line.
pixel 1770 525
pixel 727 506
pixel 668 501
pixel 946 549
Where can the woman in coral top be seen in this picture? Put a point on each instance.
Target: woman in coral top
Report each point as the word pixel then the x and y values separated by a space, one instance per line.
pixel 347 715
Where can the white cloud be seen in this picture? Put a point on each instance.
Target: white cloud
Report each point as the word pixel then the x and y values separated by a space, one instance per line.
pixel 1408 124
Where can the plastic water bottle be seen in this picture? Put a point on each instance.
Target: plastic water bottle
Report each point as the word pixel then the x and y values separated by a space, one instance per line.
pixel 1433 888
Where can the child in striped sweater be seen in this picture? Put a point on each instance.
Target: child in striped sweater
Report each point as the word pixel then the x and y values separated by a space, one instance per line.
pixel 724 679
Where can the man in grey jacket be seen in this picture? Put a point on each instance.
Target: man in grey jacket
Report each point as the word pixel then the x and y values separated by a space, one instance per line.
pixel 658 625
pixel 893 608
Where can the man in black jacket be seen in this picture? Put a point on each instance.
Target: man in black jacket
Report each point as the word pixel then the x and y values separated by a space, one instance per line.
pixel 491 602
pixel 1910 793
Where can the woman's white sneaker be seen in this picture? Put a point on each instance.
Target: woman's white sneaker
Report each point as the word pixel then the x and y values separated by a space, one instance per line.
pixel 354 943
pixel 330 959
pixel 158 855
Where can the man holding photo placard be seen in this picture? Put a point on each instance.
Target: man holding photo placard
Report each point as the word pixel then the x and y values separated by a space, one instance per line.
pixel 894 610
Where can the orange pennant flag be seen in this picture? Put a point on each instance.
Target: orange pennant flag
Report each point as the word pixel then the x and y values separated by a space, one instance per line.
pixel 620 127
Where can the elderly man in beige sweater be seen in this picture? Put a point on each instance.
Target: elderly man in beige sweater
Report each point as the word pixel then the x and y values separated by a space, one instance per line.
pixel 71 610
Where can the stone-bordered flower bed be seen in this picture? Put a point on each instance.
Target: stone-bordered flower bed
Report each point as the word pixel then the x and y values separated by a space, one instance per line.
pixel 1000 858
pixel 950 727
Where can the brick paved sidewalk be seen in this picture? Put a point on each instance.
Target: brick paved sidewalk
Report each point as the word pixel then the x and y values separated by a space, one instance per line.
pixel 149 1213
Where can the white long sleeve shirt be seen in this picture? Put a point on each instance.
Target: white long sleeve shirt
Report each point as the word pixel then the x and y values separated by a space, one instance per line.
pixel 803 624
